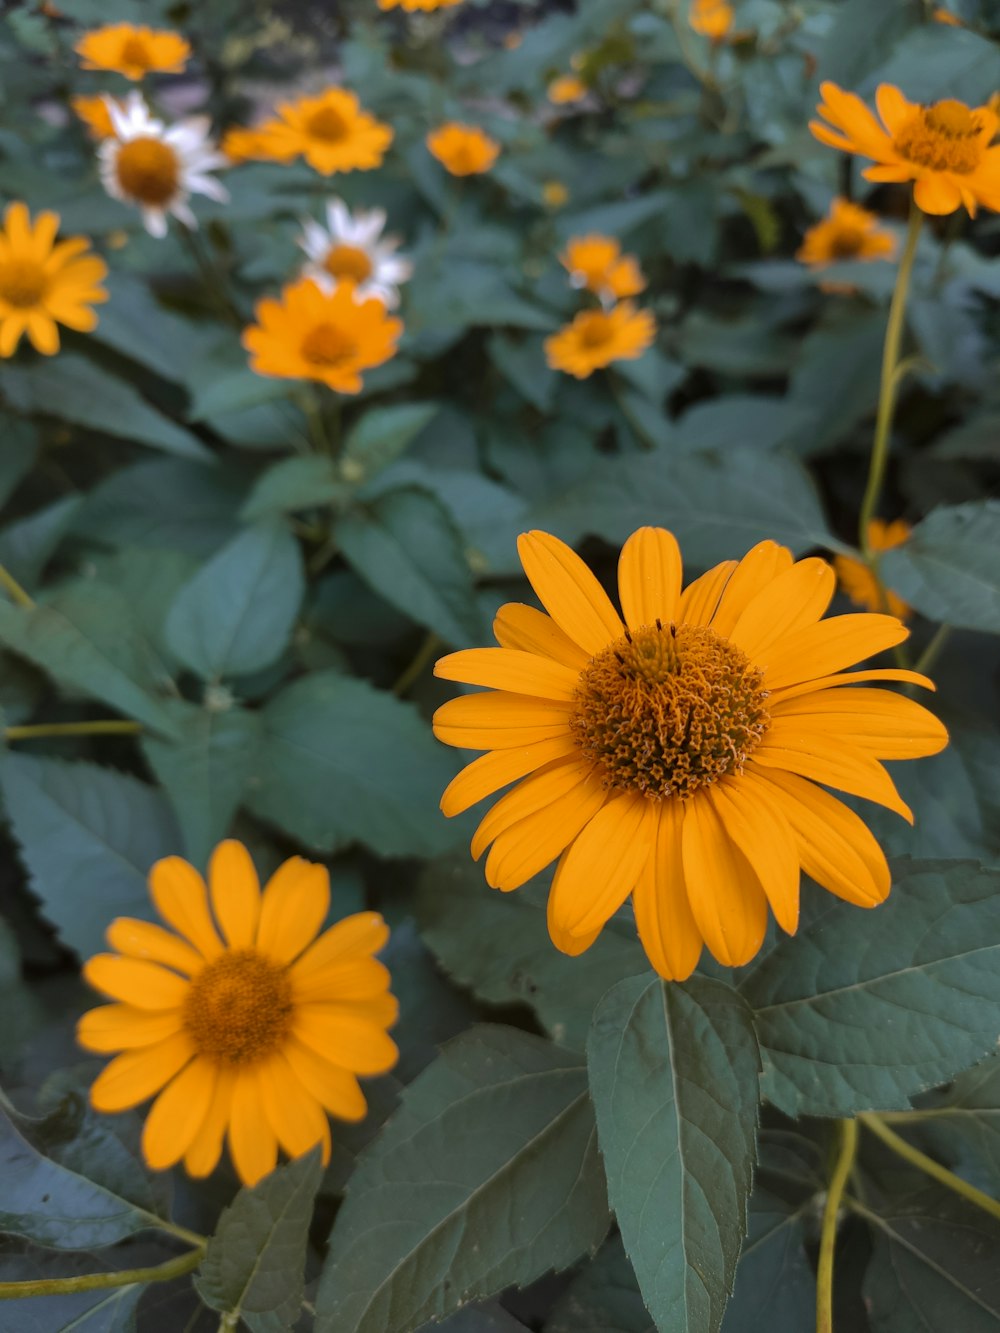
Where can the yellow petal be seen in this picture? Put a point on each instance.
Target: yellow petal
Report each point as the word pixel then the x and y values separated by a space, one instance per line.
pixel 796 598
pixel 534 793
pixel 235 890
pixel 830 759
pixel 356 936
pixel 354 978
pixel 333 1087
pixel 753 575
pixel 178 1114
pixel 499 768
pixel 663 917
pixel 885 724
pixel 726 897
pixel 531 844
pixel 603 863
pixel 120 1027
pixel 294 907
pixel 498 721
pixel 829 645
pixel 512 670
pixel 572 945
pixel 532 631
pixel 764 837
pixel 649 577
pixel 252 1142
pixel 205 1149
pixel 130 1078
pixel 182 901
pixel 700 598
pixel 143 939
pixel 337 1034
pixel 145 985
pixel 851 678
pixel 569 591
pixel 296 1117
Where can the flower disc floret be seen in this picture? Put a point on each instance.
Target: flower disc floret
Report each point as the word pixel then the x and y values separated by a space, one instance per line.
pixel 239 1008
pixel 148 171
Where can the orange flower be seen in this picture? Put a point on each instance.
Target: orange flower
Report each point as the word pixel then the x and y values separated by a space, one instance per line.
pixel 94 113
pixel 241 144
pixel 942 15
pixel 311 334
pixel 428 6
pixel 567 88
pixel 330 131
pixel 133 51
pixel 597 264
pixel 944 148
pixel 857 580
pixel 463 150
pixel 711 18
pixel 849 232
pixel 597 337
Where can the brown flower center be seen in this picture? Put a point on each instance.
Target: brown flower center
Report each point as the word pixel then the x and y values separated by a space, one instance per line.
pixel 943 137
pixel 327 345
pixel 23 283
pixel 846 242
pixel 239 1009
pixel 669 709
pixel 327 124
pixel 135 52
pixel 148 170
pixel 595 330
pixel 347 261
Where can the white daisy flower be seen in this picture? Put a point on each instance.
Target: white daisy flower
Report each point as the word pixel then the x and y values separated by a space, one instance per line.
pixel 157 168
pixel 348 249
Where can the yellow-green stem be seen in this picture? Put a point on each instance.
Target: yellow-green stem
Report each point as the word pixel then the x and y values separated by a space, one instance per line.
pixel 928 1165
pixel 888 388
pixel 422 656
pixel 933 650
pixel 65 1286
pixel 848 1146
pixel 39 730
pixel 14 589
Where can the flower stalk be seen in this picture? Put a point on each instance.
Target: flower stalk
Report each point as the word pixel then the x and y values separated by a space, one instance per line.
pixel 103 727
pixel 847 1151
pixel 928 1165
pixel 127 1277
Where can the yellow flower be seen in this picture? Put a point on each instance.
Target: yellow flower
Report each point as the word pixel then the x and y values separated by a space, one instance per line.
pixel 942 15
pixel 464 150
pixel 133 51
pixel 856 578
pixel 673 754
pixel 597 337
pixel 43 284
pixel 567 88
pixel 94 113
pixel 597 264
pixel 241 144
pixel 554 194
pixel 330 131
pixel 944 148
pixel 316 335
pixel 512 40
pixel 849 232
pixel 238 1018
pixel 428 6
pixel 711 18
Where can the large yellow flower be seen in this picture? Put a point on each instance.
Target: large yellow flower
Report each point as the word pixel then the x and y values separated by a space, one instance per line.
pixel 43 284
pixel 943 148
pixel 133 51
pixel 849 232
pixel 857 580
pixel 596 263
pixel 319 335
pixel 463 150
pixel 597 337
pixel 330 131
pixel 241 1020
pixel 674 754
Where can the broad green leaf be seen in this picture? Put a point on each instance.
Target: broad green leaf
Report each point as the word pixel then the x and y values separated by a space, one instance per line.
pixel 18 452
pixel 737 421
pixel 522 363
pixel 255 1262
pixel 605 1298
pixel 845 59
pixel 717 506
pixel 489 1318
pixel 382 435
pixel 406 547
pixel 934 62
pixel 235 616
pixel 204 771
pixel 863 1009
pixel 232 390
pixel 963 1123
pixel 77 390
pixel 27 545
pixel 487 1176
pixel 340 762
pixel 674 1078
pixel 88 836
pixel 835 377
pixel 498 946
pixel 948 568
pixel 135 323
pixel 294 483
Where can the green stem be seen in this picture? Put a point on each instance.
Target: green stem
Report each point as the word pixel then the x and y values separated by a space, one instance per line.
pixel 106 727
pixel 888 388
pixel 65 1286
pixel 16 592
pixel 213 279
pixel 828 1236
pixel 928 1165
pixel 313 412
pixel 422 656
pixel 933 650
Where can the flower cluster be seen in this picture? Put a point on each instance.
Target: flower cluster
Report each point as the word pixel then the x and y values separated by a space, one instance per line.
pixel 615 331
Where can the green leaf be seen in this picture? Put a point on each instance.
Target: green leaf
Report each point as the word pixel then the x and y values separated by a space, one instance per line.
pixel 673 1075
pixel 340 762
pixel 844 58
pixel 932 61
pixel 235 616
pixel 138 326
pixel 522 363
pixel 737 420
pixel 294 483
pixel 27 545
pixel 233 390
pixel 406 547
pixel 487 1176
pixel 204 771
pixel 948 568
pixel 835 376
pixel 498 945
pixel 254 1264
pixel 88 836
pixel 18 453
pixel 77 390
pixel 605 1298
pixel 716 506
pixel 963 1123
pixel 382 435
pixel 862 1009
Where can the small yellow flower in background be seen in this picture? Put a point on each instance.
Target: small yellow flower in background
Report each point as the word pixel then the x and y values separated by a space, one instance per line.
pixel 463 150
pixel 133 51
pixel 349 249
pixel 157 168
pixel 597 337
pixel 94 113
pixel 238 1019
pixel 512 40
pixel 567 88
pixel 849 232
pixel 596 264
pixel 673 753
pixel 331 131
pixel 943 148
pixel 411 6
pixel 711 18
pixel 44 283
pixel 942 15
pixel 554 194
pixel 326 336
pixel 856 578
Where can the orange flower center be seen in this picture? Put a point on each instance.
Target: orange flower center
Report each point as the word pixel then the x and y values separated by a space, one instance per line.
pixel 327 345
pixel 23 283
pixel 327 124
pixel 595 330
pixel 239 1009
pixel 348 261
pixel 669 709
pixel 148 170
pixel 943 137
pixel 135 52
